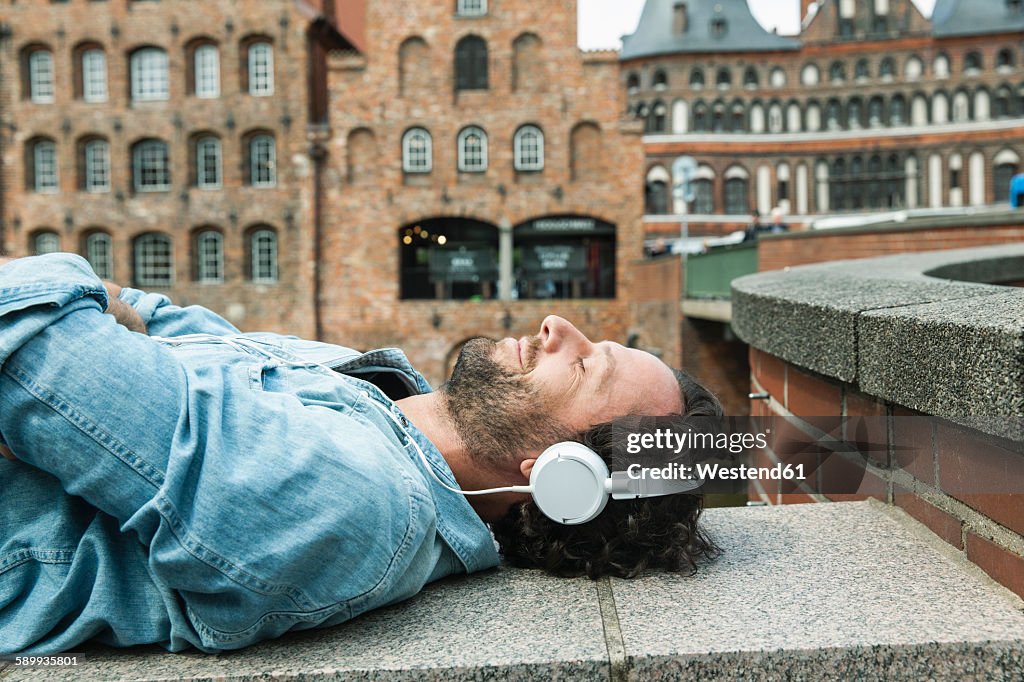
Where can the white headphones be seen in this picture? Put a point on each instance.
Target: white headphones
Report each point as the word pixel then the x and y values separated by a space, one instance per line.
pixel 569 483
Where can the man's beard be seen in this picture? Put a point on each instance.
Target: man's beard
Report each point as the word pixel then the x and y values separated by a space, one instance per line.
pixel 498 413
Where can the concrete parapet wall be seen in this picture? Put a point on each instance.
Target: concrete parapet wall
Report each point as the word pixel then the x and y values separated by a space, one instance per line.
pixel 885 338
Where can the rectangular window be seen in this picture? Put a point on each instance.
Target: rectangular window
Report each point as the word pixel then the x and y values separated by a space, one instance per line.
pixel 97 252
pixel 94 76
pixel 154 265
pixel 471 8
pixel 262 160
pixel 208 164
pixel 207 71
pixel 264 257
pixel 97 166
pixel 261 69
pixel 40 76
pixel 149 75
pixel 210 258
pixel 152 167
pixel 45 166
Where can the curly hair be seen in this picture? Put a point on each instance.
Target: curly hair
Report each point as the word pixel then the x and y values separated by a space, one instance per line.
pixel 629 536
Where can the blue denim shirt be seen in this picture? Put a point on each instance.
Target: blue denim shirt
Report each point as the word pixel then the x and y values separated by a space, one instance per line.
pixel 203 492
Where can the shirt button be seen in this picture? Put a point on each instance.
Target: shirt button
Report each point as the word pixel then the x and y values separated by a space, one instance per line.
pixel 405 422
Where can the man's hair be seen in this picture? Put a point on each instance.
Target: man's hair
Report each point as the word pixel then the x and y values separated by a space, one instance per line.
pixel 629 536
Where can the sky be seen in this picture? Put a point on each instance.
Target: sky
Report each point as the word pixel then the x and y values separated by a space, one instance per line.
pixel 603 22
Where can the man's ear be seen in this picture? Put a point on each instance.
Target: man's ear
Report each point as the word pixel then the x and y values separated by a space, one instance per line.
pixel 526 466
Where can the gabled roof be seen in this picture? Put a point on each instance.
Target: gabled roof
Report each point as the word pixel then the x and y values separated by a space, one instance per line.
pixel 975 17
pixel 655 34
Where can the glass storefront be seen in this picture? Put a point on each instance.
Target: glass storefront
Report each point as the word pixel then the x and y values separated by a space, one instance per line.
pixel 558 257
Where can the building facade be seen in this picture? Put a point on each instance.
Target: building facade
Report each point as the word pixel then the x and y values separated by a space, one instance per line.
pixel 872 107
pixel 169 143
pixel 480 177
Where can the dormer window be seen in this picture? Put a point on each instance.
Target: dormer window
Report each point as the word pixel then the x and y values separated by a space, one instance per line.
pixel 719 26
pixel 1015 6
pixel 679 18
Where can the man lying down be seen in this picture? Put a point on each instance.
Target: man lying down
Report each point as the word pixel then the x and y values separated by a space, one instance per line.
pixel 202 487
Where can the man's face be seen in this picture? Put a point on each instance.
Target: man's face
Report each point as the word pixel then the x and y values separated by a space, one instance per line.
pixel 524 394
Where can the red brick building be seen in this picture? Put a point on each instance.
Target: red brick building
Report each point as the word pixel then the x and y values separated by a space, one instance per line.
pixel 872 107
pixel 169 143
pixel 480 178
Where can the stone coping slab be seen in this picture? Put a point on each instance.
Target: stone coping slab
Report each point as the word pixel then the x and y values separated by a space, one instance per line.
pixel 857 587
pixel 853 319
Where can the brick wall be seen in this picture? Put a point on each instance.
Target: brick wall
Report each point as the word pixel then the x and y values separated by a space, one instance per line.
pixel 778 251
pixel 962 484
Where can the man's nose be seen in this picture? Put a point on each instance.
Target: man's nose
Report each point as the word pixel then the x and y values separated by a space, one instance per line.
pixel 557 333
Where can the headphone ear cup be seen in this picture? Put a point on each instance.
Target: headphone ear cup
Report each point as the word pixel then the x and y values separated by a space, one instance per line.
pixel 570 483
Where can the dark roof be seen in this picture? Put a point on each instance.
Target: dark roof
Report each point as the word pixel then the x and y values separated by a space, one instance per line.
pixel 655 33
pixel 974 17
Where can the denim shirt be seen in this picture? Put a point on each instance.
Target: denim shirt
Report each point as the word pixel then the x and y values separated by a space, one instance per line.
pixel 210 489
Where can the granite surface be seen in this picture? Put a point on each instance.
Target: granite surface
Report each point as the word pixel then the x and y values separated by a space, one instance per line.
pixel 857 589
pixel 852 320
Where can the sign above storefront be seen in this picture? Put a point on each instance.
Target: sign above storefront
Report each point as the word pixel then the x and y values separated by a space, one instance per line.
pixel 560 226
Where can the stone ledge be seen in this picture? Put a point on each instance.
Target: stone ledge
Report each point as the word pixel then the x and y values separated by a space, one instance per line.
pixel 859 587
pixel 891 327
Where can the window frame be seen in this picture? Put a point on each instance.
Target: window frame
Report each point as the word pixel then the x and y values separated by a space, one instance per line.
pixel 409 154
pixel 45 234
pixel 213 142
pixel 260 77
pixel 206 58
pixel 89 168
pixel 106 271
pixel 255 274
pixel 42 86
pixel 471 8
pixel 156 274
pixel 209 264
pixel 149 74
pixel 94 75
pixel 464 157
pixel 53 166
pixel 139 150
pixel 519 160
pixel 258 164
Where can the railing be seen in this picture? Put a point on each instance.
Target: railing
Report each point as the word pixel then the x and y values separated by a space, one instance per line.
pixel 709 275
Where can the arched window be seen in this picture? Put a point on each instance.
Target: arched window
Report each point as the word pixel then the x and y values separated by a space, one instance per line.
pixel 99 252
pixel 206 71
pixel 855 113
pixel 940 66
pixel 777 78
pixel 660 80
pixel 93 70
pixel 632 84
pixel 898 111
pixel 149 74
pixel 813 116
pixel 833 115
pixel 528 149
pixel 208 163
pixel 972 63
pixel 776 123
pixel 41 165
pixel 95 165
pixel 586 151
pixel 913 69
pixel 703 190
pixel 1004 60
pixel 718 118
pixel 876 112
pixel 154 260
pixel 471 64
pixel 961 107
pixel 262 160
pixel 39 82
pixel 45 241
pixel 810 75
pixel 656 191
pixel 757 123
pixel 750 78
pixel 209 266
pixel 263 255
pixel 723 79
pixel 697 79
pixel 837 72
pixel 1006 164
pixel 919 110
pixel 887 69
pixel 1002 103
pixel 940 108
pixel 794 118
pixel 862 70
pixel 719 27
pixel 680 116
pixel 737 182
pixel 701 118
pixel 259 63
pixel 472 150
pixel 657 122
pixel 362 156
pixel 417 151
pixel 738 117
pixel 982 105
pixel 151 167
